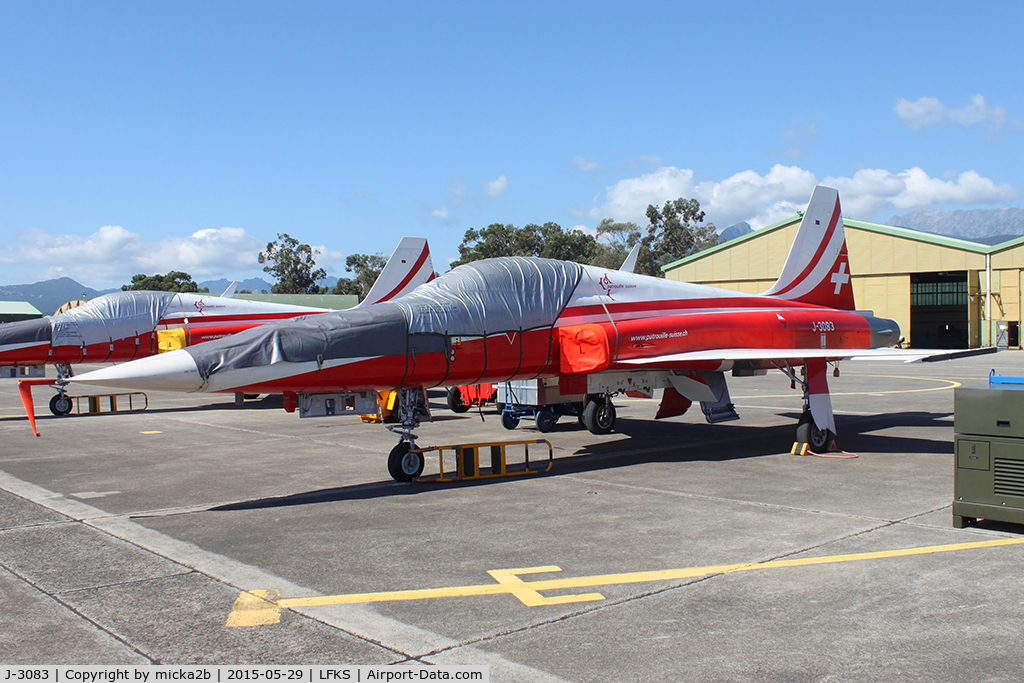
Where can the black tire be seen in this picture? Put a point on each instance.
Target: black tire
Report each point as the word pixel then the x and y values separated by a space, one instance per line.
pixel 599 417
pixel 509 421
pixel 60 405
pixel 404 465
pixel 455 402
pixel 545 420
pixel 807 432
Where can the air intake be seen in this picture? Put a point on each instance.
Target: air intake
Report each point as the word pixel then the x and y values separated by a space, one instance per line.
pixel 1009 477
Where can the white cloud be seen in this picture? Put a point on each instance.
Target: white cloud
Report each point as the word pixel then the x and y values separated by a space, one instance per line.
pixel 977 112
pixel 584 164
pixel 919 115
pixel 443 215
pixel 871 191
pixel 111 255
pixel 496 187
pixel 745 196
pixel 764 199
pixel 460 195
pixel 929 111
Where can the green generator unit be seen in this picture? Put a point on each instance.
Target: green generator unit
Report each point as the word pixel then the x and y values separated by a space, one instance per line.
pixel 988 422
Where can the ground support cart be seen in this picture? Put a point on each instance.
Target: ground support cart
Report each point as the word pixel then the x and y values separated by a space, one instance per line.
pixel 539 399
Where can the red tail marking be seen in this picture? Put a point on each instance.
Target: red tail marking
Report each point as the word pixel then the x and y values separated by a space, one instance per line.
pixel 409 276
pixel 817 254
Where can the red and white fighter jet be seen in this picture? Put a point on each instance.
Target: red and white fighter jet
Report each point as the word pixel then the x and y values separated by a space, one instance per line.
pixel 602 332
pixel 123 326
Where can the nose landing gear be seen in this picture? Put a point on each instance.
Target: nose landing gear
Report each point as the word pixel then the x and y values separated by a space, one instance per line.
pixel 405 463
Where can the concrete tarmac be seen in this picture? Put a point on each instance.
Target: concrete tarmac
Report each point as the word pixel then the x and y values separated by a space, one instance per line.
pixel 201 532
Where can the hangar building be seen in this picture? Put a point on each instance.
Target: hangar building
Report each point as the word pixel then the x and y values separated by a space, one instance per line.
pixel 943 292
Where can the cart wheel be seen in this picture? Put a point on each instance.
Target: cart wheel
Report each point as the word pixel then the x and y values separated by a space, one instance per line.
pixel 60 405
pixel 404 465
pixel 545 420
pixel 599 417
pixel 455 401
pixel 509 420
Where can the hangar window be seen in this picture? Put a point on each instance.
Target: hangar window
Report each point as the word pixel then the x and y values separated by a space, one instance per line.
pixel 938 293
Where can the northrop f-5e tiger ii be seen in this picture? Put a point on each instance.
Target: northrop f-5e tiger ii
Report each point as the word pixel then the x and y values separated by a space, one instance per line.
pixel 124 326
pixel 601 332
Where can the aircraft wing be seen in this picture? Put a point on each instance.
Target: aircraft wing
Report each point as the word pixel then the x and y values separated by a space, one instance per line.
pixel 905 355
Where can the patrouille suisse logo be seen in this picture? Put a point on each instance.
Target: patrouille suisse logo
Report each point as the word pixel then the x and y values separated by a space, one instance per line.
pixel 201 305
pixel 608 286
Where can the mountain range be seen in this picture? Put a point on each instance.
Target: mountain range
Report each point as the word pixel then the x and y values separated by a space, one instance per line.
pixel 733 231
pixel 49 295
pixel 987 226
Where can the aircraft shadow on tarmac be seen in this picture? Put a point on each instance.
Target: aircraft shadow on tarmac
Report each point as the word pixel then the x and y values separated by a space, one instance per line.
pixel 649 441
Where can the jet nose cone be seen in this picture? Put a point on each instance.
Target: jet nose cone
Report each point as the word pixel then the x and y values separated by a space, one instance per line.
pixel 174 371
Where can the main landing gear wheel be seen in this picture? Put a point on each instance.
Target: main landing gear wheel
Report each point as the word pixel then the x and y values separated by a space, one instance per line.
pixel 807 432
pixel 60 405
pixel 455 402
pixel 599 416
pixel 403 464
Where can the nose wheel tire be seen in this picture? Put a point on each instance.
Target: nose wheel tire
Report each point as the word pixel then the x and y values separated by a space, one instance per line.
pixel 403 463
pixel 60 405
pixel 599 416
pixel 807 432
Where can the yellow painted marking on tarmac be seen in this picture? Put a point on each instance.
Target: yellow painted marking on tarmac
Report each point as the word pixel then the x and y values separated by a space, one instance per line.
pixel 949 384
pixel 255 608
pixel 530 597
pixel 150 432
pixel 528 592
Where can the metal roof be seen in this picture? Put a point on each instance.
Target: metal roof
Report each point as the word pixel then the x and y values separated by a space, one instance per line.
pixel 18 308
pixel 891 230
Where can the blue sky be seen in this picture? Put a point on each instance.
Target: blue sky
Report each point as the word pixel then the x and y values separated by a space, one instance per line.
pixel 141 137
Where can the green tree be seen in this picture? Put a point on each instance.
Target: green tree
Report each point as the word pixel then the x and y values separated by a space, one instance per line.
pixel 174 281
pixel 367 268
pixel 294 266
pixel 547 241
pixel 675 231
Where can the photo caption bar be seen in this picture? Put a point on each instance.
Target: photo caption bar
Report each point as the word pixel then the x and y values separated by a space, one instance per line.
pixel 229 674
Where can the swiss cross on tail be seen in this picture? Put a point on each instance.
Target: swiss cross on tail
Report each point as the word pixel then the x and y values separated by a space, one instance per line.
pixel 817 270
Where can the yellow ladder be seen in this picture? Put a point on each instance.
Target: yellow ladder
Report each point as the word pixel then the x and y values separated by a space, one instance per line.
pixel 467 460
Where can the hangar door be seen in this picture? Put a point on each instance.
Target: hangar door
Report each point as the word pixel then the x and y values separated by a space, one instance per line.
pixel 939 310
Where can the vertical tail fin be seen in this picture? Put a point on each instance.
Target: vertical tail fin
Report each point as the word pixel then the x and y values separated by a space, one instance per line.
pixel 630 263
pixel 817 270
pixel 408 268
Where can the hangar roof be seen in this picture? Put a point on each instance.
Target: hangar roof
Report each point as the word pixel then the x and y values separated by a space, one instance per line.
pixel 19 308
pixel 892 231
